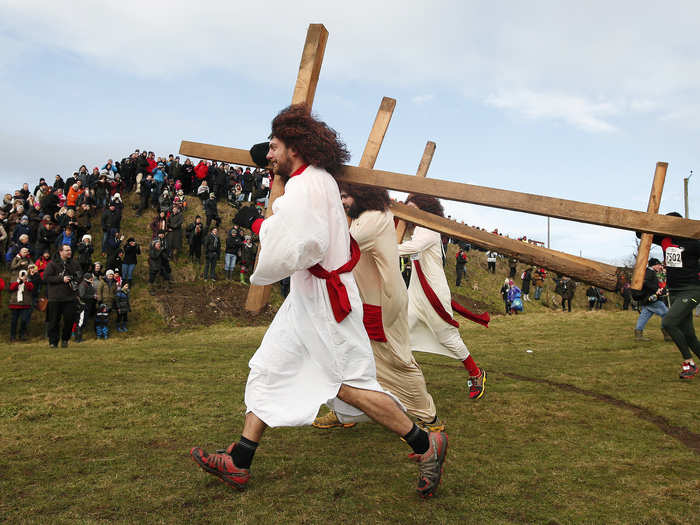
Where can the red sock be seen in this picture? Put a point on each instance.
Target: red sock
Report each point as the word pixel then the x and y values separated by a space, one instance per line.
pixel 470 365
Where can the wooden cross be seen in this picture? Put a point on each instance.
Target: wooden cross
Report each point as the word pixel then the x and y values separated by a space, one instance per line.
pixel 644 248
pixel 364 174
pixel 304 92
pixel 423 167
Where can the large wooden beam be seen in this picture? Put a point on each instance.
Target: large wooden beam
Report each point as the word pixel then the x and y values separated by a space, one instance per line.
pixel 599 274
pixel 423 167
pixel 510 200
pixel 376 134
pixel 525 202
pixel 644 248
pixel 310 66
pixel 304 92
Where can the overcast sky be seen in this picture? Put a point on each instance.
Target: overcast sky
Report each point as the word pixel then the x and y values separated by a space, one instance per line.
pixel 573 100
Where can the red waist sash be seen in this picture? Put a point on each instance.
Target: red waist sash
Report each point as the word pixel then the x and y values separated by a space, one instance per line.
pixel 482 319
pixel 337 293
pixel 372 318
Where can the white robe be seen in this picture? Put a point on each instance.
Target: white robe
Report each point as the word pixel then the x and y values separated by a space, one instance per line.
pixel 429 332
pixel 305 355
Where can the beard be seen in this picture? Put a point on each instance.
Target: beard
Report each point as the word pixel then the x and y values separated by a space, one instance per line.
pixel 354 210
pixel 283 168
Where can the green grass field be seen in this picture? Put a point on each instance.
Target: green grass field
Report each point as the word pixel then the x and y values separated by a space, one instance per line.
pixel 587 428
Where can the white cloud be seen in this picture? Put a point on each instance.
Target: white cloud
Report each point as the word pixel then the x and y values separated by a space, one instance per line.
pixel 422 99
pixel 580 65
pixel 577 111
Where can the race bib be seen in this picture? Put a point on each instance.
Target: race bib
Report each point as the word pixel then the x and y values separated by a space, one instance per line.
pixel 673 257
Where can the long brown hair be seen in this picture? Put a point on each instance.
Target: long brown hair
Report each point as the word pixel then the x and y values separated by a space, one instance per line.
pixel 366 198
pixel 426 203
pixel 315 142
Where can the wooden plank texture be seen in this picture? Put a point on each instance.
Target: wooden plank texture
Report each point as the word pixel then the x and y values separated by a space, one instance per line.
pixel 644 248
pixel 310 66
pixel 304 92
pixel 423 167
pixel 599 274
pixel 510 200
pixel 376 134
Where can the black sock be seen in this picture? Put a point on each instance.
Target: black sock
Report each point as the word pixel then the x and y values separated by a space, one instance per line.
pixel 417 440
pixel 243 452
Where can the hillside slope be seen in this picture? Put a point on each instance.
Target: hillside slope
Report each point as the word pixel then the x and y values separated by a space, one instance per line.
pixel 193 303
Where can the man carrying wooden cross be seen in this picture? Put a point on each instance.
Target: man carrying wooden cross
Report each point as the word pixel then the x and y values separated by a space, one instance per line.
pixel 385 303
pixel 316 349
pixel 430 303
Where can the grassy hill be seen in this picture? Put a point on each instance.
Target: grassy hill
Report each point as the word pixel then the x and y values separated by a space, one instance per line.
pixel 194 303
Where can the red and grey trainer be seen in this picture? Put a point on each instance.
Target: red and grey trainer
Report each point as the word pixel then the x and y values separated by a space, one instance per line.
pixel 430 464
pixel 221 465
pixel 477 385
pixel 688 370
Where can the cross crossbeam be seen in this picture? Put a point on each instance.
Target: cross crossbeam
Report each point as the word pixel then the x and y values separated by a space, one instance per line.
pixel 496 198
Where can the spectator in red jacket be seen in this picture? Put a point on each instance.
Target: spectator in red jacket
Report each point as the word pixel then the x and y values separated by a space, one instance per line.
pixel 20 305
pixel 42 261
pixel 201 171
pixel 152 164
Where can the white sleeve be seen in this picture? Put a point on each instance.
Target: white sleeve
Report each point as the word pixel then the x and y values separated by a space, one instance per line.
pixel 421 240
pixel 296 236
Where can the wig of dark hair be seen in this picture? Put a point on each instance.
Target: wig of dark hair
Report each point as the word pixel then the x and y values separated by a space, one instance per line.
pixel 426 203
pixel 315 142
pixel 366 198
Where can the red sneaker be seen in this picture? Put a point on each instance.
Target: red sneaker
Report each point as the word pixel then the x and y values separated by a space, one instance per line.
pixel 222 466
pixel 688 370
pixel 477 385
pixel 430 464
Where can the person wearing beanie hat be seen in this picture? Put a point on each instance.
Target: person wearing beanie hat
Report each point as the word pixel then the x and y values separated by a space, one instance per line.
pixel 106 288
pixel 85 250
pixel 647 298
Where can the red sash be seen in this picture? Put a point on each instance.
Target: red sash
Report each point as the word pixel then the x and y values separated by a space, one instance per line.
pixel 372 318
pixel 337 293
pixel 482 319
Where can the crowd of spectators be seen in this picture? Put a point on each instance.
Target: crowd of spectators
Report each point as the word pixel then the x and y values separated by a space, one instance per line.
pixel 56 267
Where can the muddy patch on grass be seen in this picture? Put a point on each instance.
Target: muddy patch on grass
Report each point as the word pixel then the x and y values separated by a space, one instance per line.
pixel 204 304
pixel 476 306
pixel 682 434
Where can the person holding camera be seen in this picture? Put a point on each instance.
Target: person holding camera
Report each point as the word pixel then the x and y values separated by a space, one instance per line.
pixel 22 260
pixel 20 305
pixel 62 276
pixel 647 298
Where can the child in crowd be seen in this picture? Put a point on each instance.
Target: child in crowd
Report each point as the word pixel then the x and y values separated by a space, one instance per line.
pixel 121 303
pixel 102 321
pixel 248 253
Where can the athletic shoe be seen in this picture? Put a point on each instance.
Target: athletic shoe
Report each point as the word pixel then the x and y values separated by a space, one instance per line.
pixel 330 420
pixel 430 464
pixel 222 466
pixel 688 371
pixel 435 426
pixel 477 385
pixel 64 344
